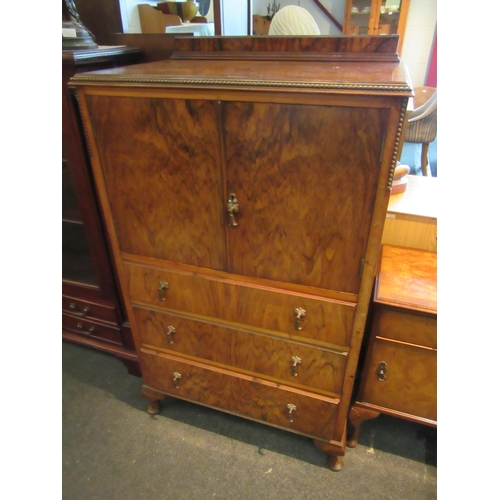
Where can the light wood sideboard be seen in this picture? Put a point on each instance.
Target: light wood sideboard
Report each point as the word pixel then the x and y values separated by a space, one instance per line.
pixel 244 184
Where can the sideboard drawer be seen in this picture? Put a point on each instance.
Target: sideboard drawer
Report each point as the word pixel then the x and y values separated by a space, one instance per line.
pixel 325 320
pixel 242 395
pixel 406 327
pixel 410 384
pixel 267 356
pixel 89 310
pixel 93 329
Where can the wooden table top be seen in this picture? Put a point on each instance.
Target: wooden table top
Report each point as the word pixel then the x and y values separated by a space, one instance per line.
pixel 407 278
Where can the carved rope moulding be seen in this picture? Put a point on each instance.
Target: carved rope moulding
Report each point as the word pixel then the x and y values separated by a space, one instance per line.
pixel 253 83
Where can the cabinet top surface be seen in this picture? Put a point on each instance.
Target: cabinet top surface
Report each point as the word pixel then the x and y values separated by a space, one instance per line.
pixel 407 278
pixel 292 68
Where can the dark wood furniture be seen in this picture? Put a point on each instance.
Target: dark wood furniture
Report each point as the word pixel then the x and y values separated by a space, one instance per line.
pixel 92 310
pixel 399 374
pixel 244 184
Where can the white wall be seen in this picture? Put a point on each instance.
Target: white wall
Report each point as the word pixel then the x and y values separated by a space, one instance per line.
pixel 419 35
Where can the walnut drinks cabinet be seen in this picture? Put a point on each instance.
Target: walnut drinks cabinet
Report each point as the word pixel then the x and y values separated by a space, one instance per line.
pixel 244 184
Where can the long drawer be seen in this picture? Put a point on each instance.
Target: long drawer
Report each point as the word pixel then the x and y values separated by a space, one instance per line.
pixel 291 362
pixel 325 320
pixel 405 327
pixel 94 329
pixel 292 409
pixel 89 310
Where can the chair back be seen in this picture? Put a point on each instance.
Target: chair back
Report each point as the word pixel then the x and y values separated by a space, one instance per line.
pixel 154 21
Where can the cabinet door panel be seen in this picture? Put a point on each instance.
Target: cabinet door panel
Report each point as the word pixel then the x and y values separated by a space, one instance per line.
pixel 161 165
pixel 305 179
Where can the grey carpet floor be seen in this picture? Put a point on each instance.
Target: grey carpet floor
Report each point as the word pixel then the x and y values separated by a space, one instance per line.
pixel 112 449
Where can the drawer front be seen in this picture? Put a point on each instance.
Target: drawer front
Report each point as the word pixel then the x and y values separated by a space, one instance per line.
pixel 93 329
pixel 411 379
pixel 242 395
pixel 411 328
pixel 89 310
pixel 325 319
pixel 290 362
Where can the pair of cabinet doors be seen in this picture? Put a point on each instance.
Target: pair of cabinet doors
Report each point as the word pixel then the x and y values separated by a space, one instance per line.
pixel 303 176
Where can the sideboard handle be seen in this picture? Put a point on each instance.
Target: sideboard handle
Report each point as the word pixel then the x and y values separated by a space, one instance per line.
pixel 232 208
pixel 162 287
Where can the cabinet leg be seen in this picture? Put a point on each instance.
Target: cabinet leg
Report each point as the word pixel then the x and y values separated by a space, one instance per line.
pixel 356 417
pixel 154 397
pixel 335 454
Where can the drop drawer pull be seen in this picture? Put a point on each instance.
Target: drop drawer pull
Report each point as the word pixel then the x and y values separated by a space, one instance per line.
pixel 177 376
pixel 162 288
pixel 83 312
pixel 90 331
pixel 299 314
pixel 170 331
pixel 295 362
pixel 291 407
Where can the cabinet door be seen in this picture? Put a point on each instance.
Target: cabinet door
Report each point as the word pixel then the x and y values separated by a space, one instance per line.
pixel 305 178
pixel 161 165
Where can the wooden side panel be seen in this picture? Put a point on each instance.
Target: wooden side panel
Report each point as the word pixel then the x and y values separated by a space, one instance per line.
pixel 305 178
pixel 161 165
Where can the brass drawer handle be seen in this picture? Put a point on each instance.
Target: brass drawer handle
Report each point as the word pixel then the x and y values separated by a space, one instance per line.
pixel 291 407
pixel 90 331
pixel 295 361
pixel 299 314
pixel 232 208
pixel 84 312
pixel 381 371
pixel 170 331
pixel 177 376
pixel 162 288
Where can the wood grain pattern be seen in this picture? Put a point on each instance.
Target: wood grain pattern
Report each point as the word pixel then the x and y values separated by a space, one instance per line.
pixel 407 278
pixel 263 355
pixel 242 395
pixel 305 178
pixel 326 320
pixel 159 159
pixel 411 379
pixel 276 46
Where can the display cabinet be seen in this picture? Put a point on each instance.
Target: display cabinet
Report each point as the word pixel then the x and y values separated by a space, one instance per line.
pixel 92 311
pixel 376 17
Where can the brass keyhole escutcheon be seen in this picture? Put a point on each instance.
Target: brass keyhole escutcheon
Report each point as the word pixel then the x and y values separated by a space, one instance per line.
pixel 170 331
pixel 381 371
pixel 232 208
pixel 291 407
pixel 162 288
pixel 299 314
pixel 177 376
pixel 295 362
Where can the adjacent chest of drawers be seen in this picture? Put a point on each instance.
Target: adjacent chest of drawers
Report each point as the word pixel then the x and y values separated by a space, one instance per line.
pixel 399 374
pixel 244 184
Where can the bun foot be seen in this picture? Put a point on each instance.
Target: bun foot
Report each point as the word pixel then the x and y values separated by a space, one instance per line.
pixel 335 452
pixel 154 408
pixel 335 463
